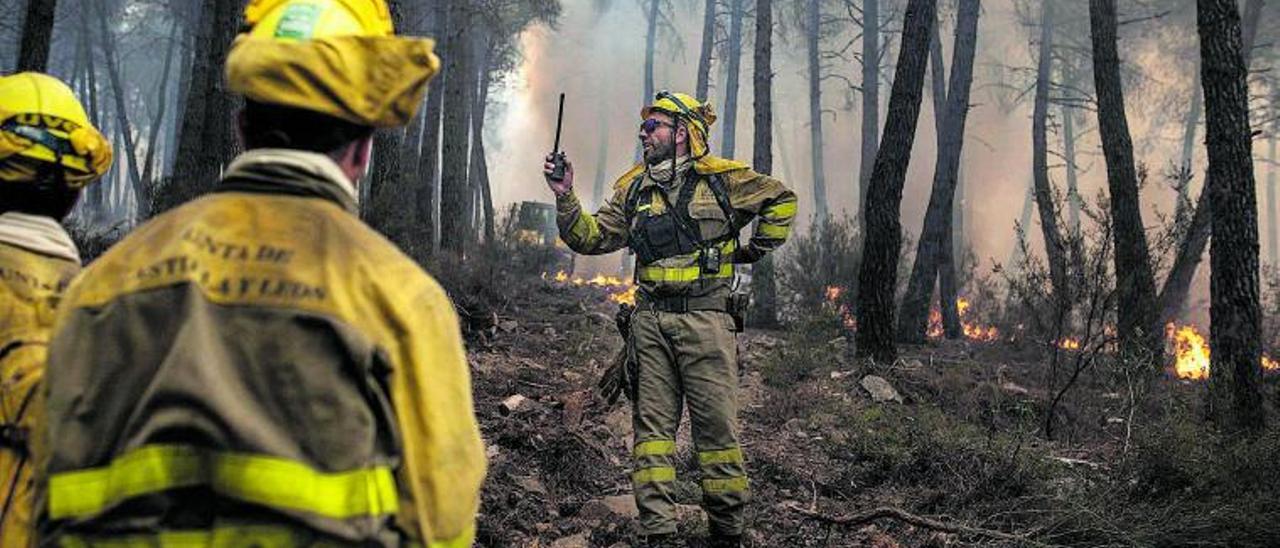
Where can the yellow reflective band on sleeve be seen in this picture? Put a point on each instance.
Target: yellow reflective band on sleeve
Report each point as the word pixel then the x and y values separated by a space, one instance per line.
pixel 685 274
pixel 778 212
pixel 772 231
pixel 729 485
pixel 584 229
pixel 225 536
pixel 264 480
pixel 656 474
pixel 722 456
pixel 655 447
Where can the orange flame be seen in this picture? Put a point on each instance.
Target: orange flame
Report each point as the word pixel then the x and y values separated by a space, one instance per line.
pixel 972 330
pixel 1190 350
pixel 620 290
pixel 833 293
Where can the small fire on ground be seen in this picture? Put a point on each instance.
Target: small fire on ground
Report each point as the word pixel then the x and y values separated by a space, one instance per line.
pixel 620 290
pixel 973 331
pixel 1191 352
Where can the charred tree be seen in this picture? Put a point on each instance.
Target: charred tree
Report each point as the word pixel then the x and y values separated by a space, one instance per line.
pixel 814 13
pixel 935 237
pixel 946 256
pixel 1137 327
pixel 205 140
pixel 479 164
pixel 429 156
pixel 1054 245
pixel 37 35
pixel 763 283
pixel 384 211
pixel 708 44
pixel 883 239
pixel 120 95
pixel 1191 123
pixel 730 127
pixel 153 135
pixel 1073 187
pixel 870 98
pixel 1272 233
pixel 1173 294
pixel 1235 330
pixel 459 90
pixel 650 49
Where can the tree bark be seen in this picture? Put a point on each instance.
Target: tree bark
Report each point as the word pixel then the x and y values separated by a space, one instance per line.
pixel 1054 246
pixel 455 193
pixel 1272 234
pixel 1073 187
pixel 935 237
pixel 1182 208
pixel 650 47
pixel 37 35
pixel 883 239
pixel 386 211
pixel 1235 330
pixel 429 157
pixel 708 45
pixel 153 135
pixel 814 12
pixel 479 164
pixel 1173 294
pixel 205 141
pixel 763 280
pixel 122 111
pixel 870 97
pixel 730 127
pixel 1139 332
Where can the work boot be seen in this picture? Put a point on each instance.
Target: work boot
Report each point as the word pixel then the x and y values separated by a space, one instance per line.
pixel 667 540
pixel 725 541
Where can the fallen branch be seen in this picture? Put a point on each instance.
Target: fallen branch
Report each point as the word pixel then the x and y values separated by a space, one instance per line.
pixel 882 512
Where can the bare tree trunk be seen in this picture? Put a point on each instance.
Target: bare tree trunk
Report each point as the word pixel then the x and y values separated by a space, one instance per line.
pixel 1235 330
pixel 205 141
pixel 650 46
pixel 1182 209
pixel 153 135
pixel 730 126
pixel 455 193
pixel 1173 294
pixel 122 110
pixel 815 112
pixel 947 289
pixel 429 156
pixel 1055 248
pixel 870 98
pixel 708 45
pixel 37 35
pixel 1073 188
pixel 387 211
pixel 479 164
pixel 1140 336
pixel 935 237
pixel 1272 237
pixel 883 239
pixel 763 280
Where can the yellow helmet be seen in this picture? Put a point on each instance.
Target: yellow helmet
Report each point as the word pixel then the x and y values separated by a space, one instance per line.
pixel 41 120
pixel 340 58
pixel 697 114
pixel 305 19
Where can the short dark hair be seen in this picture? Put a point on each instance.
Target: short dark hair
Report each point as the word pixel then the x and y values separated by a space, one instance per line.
pixel 276 126
pixel 48 195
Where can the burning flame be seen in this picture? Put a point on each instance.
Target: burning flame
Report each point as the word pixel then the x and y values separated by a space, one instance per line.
pixel 972 330
pixel 1069 343
pixel 833 293
pixel 1191 353
pixel 620 290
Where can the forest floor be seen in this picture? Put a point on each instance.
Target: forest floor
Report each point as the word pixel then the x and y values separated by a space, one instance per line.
pixel 962 446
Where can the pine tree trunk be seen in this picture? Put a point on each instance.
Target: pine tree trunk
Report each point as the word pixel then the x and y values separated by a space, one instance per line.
pixel 650 47
pixel 428 192
pixel 386 210
pixel 730 127
pixel 37 35
pixel 153 135
pixel 764 287
pixel 122 111
pixel 1173 294
pixel 1073 188
pixel 708 45
pixel 1235 330
pixel 815 113
pixel 1054 246
pixel 1272 236
pixel 205 141
pixel 479 164
pixel 883 239
pixel 1140 336
pixel 870 98
pixel 935 237
pixel 1190 125
pixel 455 192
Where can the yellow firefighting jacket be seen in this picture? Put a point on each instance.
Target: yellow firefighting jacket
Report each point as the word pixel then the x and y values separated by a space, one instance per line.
pixel 258 367
pixel 37 260
pixel 751 195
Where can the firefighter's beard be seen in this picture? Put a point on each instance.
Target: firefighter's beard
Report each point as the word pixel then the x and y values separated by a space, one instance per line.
pixel 661 151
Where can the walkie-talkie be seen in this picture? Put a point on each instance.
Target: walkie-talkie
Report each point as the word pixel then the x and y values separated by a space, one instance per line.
pixel 557 157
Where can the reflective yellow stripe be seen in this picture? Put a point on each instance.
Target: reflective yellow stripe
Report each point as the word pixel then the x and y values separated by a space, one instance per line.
pixel 777 212
pixel 681 274
pixel 654 475
pixel 730 485
pixel 722 456
pixel 584 229
pixel 655 447
pixel 776 232
pixel 269 481
pixel 263 536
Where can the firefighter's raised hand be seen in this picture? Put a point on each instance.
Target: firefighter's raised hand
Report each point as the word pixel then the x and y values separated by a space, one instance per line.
pixel 565 185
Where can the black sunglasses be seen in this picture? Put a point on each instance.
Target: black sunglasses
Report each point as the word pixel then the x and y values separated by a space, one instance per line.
pixel 650 125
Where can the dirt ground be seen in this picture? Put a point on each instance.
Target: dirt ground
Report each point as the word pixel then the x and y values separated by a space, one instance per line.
pixel 961 443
